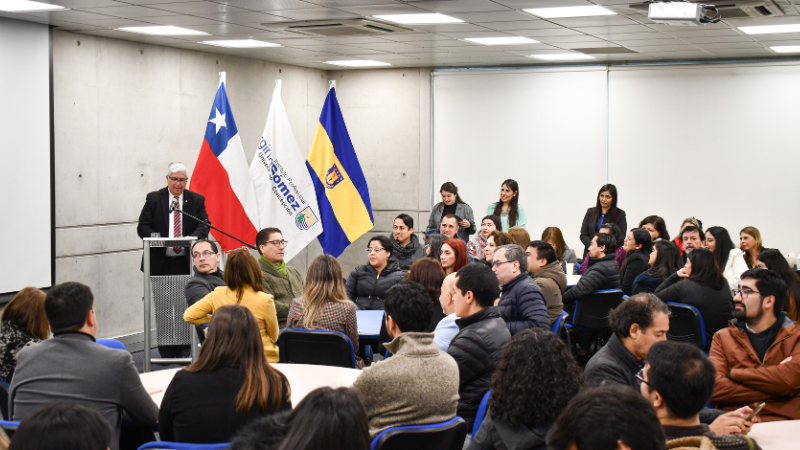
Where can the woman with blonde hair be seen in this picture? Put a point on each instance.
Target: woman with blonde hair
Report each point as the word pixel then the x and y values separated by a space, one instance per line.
pixel 520 236
pixel 750 243
pixel 243 287
pixel 24 323
pixel 324 304
pixel 229 385
pixel 564 254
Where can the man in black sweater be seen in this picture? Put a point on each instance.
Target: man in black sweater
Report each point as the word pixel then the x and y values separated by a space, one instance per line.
pixel 207 277
pixel 603 271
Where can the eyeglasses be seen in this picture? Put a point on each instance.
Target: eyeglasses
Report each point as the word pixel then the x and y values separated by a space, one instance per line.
pixel 640 378
pixel 278 243
pixel 205 254
pixel 744 292
pixel 178 180
pixel 497 263
pixel 374 250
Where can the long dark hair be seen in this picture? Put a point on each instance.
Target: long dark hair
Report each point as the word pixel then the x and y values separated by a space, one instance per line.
pixel 705 269
pixel 430 275
pixel 435 242
pixel 658 223
pixel 777 263
pixel 242 270
pixel 328 419
pixel 613 212
pixel 615 231
pixel 535 379
pixel 512 205
pixel 234 340
pixel 451 188
pixel 668 259
pixel 641 237
pixel 723 244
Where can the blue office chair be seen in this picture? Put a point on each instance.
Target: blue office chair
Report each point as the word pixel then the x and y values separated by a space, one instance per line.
pixel 183 446
pixel 591 312
pixel 481 412
pixel 686 324
pixel 558 325
pixel 112 343
pixel 436 436
pixel 9 427
pixel 319 347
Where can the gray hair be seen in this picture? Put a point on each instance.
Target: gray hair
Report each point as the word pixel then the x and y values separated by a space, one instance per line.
pixel 176 167
pixel 515 253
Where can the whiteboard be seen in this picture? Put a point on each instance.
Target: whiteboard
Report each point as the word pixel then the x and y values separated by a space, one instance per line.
pixel 546 129
pixel 25 168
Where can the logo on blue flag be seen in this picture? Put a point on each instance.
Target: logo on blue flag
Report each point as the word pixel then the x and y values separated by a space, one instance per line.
pixel 333 177
pixel 306 219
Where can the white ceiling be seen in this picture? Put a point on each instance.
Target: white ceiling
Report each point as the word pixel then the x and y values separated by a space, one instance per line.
pixel 427 45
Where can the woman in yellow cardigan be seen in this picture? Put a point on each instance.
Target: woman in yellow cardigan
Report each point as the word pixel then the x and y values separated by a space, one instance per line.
pixel 244 287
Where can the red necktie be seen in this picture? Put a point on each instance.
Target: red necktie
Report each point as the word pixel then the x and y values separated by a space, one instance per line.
pixel 177 221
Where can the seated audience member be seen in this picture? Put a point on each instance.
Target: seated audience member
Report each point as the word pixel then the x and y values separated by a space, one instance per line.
pixel 520 235
pixel 522 303
pixel 264 433
pixel 433 246
pixel 547 272
pixel 331 419
pixel 449 227
pixel 63 426
pixel 534 380
pixel 603 271
pixel 368 283
pixel 619 251
pixel 72 367
pixel 508 209
pixel 665 260
pixel 454 255
pixel 244 287
pixel 750 243
pixel 691 221
pixel 454 206
pixel 406 247
pixel 284 283
pixel 692 238
pixel 638 245
pixel 430 275
pixel 700 284
pixel 771 259
pixel 24 324
pixel 758 356
pixel 447 328
pixel 235 379
pixel 488 225
pixel 481 336
pixel 607 418
pixel 496 239
pixel 638 322
pixel 418 385
pixel 678 381
pixel 657 228
pixel 324 304
pixel 729 257
pixel 564 254
pixel 207 277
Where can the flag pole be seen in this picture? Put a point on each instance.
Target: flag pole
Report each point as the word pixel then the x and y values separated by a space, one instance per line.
pixel 331 84
pixel 221 78
pixel 278 84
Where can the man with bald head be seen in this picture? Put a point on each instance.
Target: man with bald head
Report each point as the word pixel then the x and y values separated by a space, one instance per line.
pixel 447 328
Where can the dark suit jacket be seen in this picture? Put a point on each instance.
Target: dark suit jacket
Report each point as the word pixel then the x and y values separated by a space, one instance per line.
pixel 155 219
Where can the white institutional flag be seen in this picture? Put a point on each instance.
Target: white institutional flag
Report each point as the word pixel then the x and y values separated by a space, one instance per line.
pixel 284 191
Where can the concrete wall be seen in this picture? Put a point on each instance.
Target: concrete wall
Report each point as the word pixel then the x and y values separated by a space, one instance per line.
pixel 124 110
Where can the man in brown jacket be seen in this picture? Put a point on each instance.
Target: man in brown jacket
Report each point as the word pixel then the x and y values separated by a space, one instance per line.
pixel 281 281
pixel 757 358
pixel 549 274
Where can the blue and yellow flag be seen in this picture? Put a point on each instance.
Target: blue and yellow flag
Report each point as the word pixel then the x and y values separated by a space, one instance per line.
pixel 342 193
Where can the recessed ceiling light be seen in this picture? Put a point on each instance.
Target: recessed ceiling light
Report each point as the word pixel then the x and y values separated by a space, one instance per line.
pixel 419 19
pixel 570 11
pixel 786 49
pixel 772 29
pixel 506 40
pixel 25 5
pixel 562 57
pixel 358 63
pixel 241 43
pixel 166 30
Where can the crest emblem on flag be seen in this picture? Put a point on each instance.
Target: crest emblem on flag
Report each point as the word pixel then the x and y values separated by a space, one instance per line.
pixel 306 219
pixel 333 177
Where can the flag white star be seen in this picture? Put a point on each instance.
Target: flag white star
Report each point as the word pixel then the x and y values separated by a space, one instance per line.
pixel 219 121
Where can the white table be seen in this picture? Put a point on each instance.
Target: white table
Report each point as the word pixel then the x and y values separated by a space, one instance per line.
pixel 572 280
pixel 303 378
pixel 781 435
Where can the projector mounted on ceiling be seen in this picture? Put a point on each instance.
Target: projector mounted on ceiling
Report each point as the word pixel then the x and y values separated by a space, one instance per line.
pixel 728 9
pixel 327 28
pixel 682 13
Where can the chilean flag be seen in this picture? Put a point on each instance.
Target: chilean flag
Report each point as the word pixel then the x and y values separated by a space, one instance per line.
pixel 222 176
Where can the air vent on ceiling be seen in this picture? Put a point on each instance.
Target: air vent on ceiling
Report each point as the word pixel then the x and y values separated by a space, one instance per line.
pixel 735 9
pixel 351 27
pixel 603 50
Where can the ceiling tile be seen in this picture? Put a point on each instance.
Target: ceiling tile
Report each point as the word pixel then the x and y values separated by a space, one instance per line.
pixel 448 27
pixel 395 8
pixel 460 6
pixel 546 32
pixel 775 37
pixel 443 43
pixel 596 21
pixel 296 41
pixel 580 38
pixel 180 21
pixel 314 14
pixel 730 45
pixel 615 30
pixel 388 47
pixel 68 15
pixel 412 37
pixel 81 4
pixel 268 5
pixel 354 39
pixel 492 16
pixel 647 42
pixel 635 36
pixel 346 3
pixel 702 32
pixel 334 48
pixel 740 53
pixel 586 44
pixel 196 8
pixel 223 29
pixel 711 39
pixel 533 24
pixel 522 4
pixel 243 17
pixel 476 34
pixel 130 12
pixel 116 22
pixel 671 29
pixel 662 48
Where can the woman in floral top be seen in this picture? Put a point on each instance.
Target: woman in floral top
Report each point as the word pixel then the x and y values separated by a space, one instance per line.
pixel 24 323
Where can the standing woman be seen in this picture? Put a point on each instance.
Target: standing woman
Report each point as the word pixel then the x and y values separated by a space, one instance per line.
pixel 368 283
pixel 509 211
pixel 452 204
pixel 665 259
pixel 638 246
pixel 454 255
pixel 605 211
pixel 771 259
pixel 729 258
pixel 564 254
pixel 656 226
pixel 24 324
pixel 750 243
pixel 488 225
